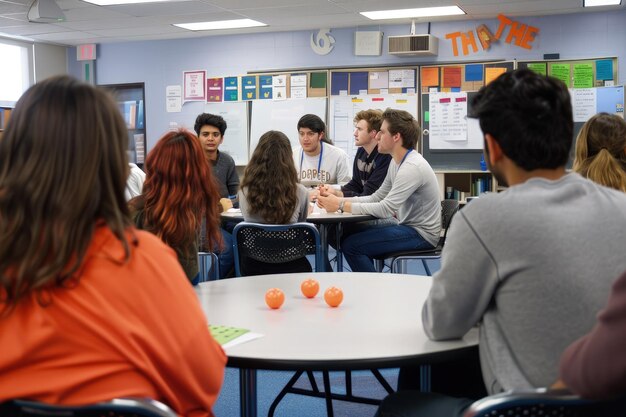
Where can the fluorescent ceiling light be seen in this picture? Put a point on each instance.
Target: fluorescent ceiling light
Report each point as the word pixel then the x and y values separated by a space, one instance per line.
pixel 410 13
pixel 221 24
pixel 593 3
pixel 121 2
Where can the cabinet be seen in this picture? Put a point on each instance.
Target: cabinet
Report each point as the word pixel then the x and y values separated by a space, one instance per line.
pixel 131 102
pixel 460 184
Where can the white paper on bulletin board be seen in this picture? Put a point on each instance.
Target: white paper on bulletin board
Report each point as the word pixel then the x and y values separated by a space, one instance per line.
pixel 344 108
pixel 236 137
pixel 283 115
pixel 449 127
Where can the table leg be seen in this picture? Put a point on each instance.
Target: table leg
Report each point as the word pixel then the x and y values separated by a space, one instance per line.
pixel 339 254
pixel 247 392
pixel 324 247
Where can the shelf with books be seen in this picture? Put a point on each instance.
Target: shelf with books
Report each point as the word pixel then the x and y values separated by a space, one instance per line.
pixel 131 102
pixel 460 184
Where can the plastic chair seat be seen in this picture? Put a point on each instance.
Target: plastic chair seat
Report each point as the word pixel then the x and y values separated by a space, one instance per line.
pixel 119 407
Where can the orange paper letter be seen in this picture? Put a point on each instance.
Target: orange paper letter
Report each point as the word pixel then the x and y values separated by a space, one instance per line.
pixel 453 37
pixel 504 22
pixel 467 40
pixel 529 36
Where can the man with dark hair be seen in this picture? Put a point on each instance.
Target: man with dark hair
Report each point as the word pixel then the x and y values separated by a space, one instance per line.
pixel 533 264
pixel 317 160
pixel 210 129
pixel 409 193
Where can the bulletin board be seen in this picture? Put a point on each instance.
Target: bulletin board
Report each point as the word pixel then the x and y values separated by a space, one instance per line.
pixel 586 73
pixel 344 108
pixel 396 80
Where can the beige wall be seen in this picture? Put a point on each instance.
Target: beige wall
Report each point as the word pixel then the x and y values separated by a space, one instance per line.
pixel 49 60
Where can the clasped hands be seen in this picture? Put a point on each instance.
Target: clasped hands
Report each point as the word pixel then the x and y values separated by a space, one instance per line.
pixel 327 198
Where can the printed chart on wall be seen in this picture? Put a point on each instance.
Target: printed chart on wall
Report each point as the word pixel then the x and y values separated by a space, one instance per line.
pixel 449 126
pixel 236 137
pixel 344 108
pixel 588 101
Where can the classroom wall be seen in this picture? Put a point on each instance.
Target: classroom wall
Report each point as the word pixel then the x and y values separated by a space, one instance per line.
pixel 50 60
pixel 161 63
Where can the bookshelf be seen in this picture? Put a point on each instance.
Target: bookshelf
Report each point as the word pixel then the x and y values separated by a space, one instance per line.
pixel 460 184
pixel 131 102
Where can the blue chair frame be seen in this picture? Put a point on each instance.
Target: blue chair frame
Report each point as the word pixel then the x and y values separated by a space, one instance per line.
pixel 209 266
pixel 543 403
pixel 119 407
pixel 278 230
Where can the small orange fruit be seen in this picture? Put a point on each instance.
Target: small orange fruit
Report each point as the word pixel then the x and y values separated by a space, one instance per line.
pixel 333 296
pixel 310 288
pixel 274 298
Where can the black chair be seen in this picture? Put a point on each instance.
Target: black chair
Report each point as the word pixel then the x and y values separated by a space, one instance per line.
pixel 543 403
pixel 282 245
pixel 119 407
pixel 449 208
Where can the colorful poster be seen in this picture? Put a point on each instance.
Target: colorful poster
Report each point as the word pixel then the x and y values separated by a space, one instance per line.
pixel 583 75
pixel 194 85
pixel 561 72
pixel 538 67
pixel 430 77
pixel 474 72
pixel 215 89
pixel 248 87
pixel 231 88
pixel 451 77
pixel 604 69
pixel 266 87
pixel 492 73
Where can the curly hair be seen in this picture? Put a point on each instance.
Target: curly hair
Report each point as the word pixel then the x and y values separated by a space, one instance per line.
pixel 63 168
pixel 179 190
pixel 601 151
pixel 204 119
pixel 270 180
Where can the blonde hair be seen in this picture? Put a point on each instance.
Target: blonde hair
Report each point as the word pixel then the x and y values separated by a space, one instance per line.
pixel 601 151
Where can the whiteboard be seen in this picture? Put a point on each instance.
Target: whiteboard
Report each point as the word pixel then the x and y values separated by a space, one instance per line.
pixel 343 109
pixel 236 136
pixel 283 115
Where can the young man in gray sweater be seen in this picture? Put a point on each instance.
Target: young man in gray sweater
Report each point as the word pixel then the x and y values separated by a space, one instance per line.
pixel 532 265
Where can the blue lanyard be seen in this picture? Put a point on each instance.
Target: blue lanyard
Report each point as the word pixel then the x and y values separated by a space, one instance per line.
pixel 405 155
pixel 319 162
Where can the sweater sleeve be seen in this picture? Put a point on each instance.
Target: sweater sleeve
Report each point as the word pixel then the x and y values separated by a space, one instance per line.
pixel 378 175
pixel 595 365
pixel 232 181
pixel 463 287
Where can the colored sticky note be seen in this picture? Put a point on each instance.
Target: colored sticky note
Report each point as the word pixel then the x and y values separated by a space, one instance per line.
pixel 561 72
pixel 538 67
pixel 430 77
pixel 426 116
pixel 474 72
pixel 224 334
pixel 583 75
pixel 317 80
pixel 604 69
pixel 451 76
pixel 492 73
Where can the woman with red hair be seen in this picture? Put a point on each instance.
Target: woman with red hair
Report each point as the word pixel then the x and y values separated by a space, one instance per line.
pixel 178 194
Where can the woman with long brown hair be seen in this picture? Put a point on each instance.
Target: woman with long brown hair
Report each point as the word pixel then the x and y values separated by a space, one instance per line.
pixel 601 151
pixel 270 193
pixel 90 308
pixel 178 194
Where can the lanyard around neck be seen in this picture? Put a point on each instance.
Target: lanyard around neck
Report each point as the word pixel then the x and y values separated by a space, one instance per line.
pixel 319 161
pixel 405 155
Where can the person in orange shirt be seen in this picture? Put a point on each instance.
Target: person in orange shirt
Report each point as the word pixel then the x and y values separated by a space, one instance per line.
pixel 90 308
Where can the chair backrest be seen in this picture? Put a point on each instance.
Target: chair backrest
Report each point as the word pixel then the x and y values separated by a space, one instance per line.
pixel 209 266
pixel 122 407
pixel 449 207
pixel 543 403
pixel 275 243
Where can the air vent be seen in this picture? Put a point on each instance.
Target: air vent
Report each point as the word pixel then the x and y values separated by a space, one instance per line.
pixel 413 45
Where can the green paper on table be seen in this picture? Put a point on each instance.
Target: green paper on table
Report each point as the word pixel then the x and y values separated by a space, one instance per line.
pixel 224 334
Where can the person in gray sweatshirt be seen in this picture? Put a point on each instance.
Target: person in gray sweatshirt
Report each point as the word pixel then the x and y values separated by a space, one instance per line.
pixel 531 266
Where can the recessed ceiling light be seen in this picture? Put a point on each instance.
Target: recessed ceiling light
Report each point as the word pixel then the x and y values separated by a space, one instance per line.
pixel 593 3
pixel 121 2
pixel 410 13
pixel 221 24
